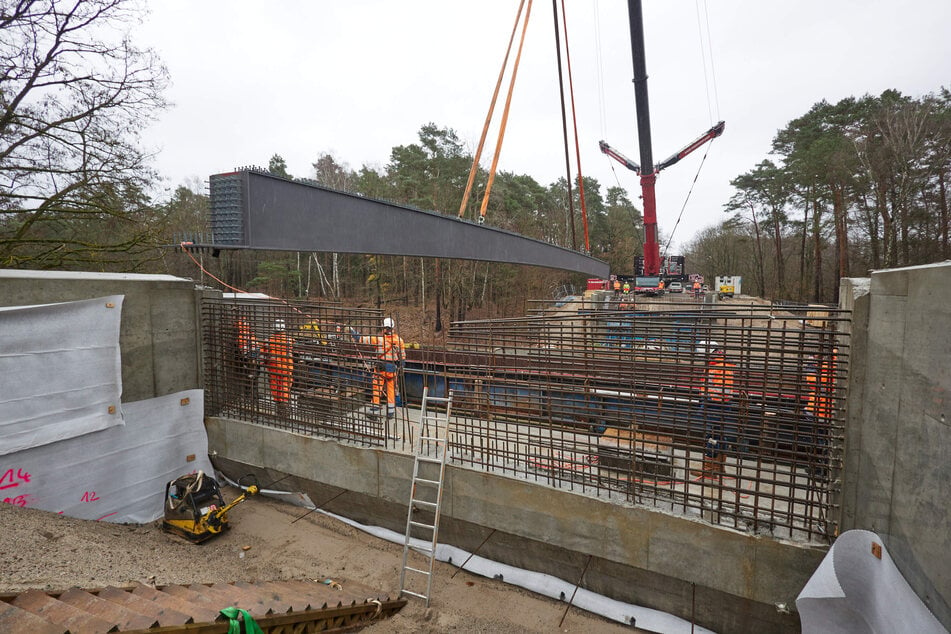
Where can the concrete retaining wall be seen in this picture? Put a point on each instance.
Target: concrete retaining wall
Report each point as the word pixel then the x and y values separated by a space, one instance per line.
pixel 159 335
pixel 725 580
pixel 897 476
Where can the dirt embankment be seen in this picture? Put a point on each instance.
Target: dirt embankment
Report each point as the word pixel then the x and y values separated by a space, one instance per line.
pixel 53 553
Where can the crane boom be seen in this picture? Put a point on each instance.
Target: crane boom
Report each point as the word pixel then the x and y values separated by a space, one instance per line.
pixel 620 158
pixel 647 170
pixel 709 135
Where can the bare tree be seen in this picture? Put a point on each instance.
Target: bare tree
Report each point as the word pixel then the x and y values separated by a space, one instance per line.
pixel 74 92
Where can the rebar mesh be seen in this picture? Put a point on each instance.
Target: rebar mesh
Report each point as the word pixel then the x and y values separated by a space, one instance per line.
pixel 586 396
pixel 320 385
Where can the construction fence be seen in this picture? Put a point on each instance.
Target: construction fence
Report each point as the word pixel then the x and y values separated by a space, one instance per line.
pixel 731 413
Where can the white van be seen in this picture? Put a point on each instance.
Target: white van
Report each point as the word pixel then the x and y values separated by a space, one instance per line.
pixel 706 347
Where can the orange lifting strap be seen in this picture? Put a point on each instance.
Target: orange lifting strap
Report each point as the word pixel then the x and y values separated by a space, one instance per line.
pixel 508 102
pixel 505 115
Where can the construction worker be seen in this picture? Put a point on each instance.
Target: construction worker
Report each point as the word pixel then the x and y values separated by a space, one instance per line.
pixel 660 285
pixel 820 384
pixel 617 287
pixel 717 406
pixel 390 355
pixel 246 355
pixel 820 381
pixel 279 361
pixel 696 289
pixel 312 330
pixel 627 287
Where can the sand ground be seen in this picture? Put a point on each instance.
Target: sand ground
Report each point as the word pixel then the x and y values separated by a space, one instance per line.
pixel 52 552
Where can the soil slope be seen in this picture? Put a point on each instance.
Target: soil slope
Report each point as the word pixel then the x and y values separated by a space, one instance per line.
pixel 53 553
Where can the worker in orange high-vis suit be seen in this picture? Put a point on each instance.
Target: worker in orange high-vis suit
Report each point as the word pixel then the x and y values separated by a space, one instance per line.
pixel 389 356
pixel 820 383
pixel 820 401
pixel 279 360
pixel 717 407
pixel 246 356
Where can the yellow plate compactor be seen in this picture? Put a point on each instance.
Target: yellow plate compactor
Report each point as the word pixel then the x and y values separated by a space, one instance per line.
pixel 195 509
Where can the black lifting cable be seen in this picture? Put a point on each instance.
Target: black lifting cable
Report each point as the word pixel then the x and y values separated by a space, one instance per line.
pixel 473 553
pixel 687 199
pixel 319 506
pixel 568 607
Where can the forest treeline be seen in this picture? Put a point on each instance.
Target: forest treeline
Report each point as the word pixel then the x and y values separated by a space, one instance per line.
pixel 848 187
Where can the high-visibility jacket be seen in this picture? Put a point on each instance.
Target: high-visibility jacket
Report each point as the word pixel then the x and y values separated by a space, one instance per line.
pixel 312 329
pixel 719 384
pixel 277 351
pixel 389 348
pixel 246 341
pixel 279 360
pixel 821 386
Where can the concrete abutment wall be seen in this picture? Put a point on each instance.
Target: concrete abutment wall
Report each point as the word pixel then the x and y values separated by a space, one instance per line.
pixel 159 336
pixel 898 430
pixel 723 579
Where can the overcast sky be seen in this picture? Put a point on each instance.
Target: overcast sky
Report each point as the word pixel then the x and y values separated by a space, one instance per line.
pixel 355 78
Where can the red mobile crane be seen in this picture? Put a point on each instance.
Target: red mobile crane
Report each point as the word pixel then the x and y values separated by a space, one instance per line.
pixel 647 170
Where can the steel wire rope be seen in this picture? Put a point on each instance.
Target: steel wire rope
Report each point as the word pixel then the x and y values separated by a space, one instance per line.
pixel 201 267
pixel 703 57
pixel 602 110
pixel 703 24
pixel 713 73
pixel 564 124
pixel 574 122
pixel 600 65
pixel 687 198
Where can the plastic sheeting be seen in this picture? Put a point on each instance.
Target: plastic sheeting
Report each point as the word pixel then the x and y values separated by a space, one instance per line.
pixel 60 371
pixel 117 474
pixel 853 590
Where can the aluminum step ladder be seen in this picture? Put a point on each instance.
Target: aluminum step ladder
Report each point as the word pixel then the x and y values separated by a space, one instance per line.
pixel 430 450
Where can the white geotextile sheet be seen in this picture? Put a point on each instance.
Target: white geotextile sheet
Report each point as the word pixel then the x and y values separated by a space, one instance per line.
pixel 60 371
pixel 117 474
pixel 853 590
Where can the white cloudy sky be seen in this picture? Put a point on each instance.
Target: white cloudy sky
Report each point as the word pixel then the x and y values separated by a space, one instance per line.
pixel 355 78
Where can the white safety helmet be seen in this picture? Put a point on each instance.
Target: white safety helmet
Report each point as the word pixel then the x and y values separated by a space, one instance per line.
pixel 279 324
pixel 387 323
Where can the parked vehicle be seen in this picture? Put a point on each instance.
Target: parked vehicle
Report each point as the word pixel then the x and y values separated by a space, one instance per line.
pixel 706 346
pixel 647 285
pixel 728 285
pixel 675 287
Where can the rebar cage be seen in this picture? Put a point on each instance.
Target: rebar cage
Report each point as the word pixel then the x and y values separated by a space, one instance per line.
pixel 727 412
pixel 317 380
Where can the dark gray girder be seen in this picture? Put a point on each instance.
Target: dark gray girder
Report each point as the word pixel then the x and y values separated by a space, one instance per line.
pixel 256 210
